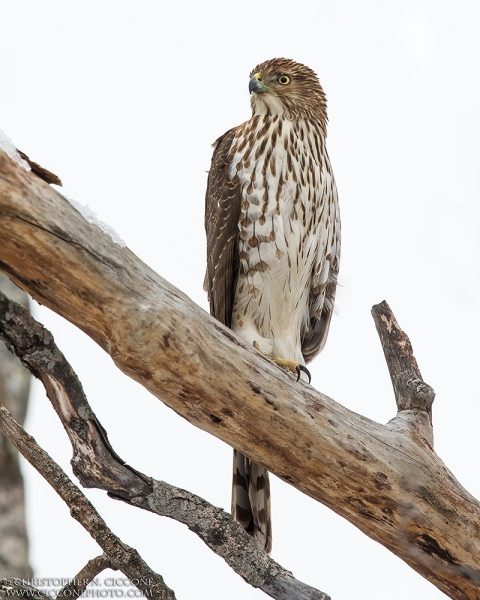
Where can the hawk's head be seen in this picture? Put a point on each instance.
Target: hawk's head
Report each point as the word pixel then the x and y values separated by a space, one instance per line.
pixel 286 88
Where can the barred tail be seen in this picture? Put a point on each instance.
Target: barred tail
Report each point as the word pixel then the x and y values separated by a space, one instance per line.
pixel 251 499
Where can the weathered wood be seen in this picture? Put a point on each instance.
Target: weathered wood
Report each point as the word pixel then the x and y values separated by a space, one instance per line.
pixel 96 464
pixel 411 391
pixel 94 461
pixel 40 171
pixel 413 396
pixel 383 478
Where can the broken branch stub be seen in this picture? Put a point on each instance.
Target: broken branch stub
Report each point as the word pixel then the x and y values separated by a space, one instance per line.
pixel 411 392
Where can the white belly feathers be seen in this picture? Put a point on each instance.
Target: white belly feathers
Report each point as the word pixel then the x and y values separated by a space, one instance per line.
pixel 287 186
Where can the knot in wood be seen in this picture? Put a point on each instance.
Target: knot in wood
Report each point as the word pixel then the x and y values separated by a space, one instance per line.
pixel 413 392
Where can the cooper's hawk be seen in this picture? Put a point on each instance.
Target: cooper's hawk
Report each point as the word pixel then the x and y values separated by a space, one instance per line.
pixel 273 240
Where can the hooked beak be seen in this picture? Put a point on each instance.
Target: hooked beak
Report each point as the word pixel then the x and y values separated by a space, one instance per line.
pixel 256 85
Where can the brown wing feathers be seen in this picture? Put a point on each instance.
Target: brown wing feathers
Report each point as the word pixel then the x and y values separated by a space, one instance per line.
pixel 222 210
pixel 250 487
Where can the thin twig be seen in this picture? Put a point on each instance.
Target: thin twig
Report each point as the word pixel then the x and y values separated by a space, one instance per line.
pixel 79 583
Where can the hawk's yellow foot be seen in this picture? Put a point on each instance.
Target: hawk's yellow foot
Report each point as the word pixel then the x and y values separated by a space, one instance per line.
pixel 288 365
pixel 292 366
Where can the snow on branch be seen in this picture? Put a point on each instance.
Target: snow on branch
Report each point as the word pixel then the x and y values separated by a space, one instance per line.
pixel 9 149
pixel 91 217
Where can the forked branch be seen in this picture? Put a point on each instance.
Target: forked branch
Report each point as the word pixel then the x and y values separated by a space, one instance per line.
pixel 79 583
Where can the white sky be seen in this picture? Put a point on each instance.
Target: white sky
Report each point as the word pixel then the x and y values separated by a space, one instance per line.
pixel 122 100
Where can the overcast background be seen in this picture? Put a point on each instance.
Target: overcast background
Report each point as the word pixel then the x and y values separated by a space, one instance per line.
pixel 123 100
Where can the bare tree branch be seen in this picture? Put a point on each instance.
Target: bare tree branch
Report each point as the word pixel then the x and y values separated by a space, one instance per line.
pixel 230 541
pixel 79 583
pixel 413 396
pixel 385 479
pixel 123 557
pixel 97 465
pixel 411 392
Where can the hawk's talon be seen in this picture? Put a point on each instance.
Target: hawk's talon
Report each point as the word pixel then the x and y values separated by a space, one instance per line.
pixel 287 365
pixel 301 368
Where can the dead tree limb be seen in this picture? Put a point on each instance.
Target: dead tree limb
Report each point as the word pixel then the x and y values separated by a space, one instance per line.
pixel 382 478
pixel 96 463
pixel 411 392
pixel 123 557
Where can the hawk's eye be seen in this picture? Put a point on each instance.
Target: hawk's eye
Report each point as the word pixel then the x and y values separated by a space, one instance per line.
pixel 284 80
